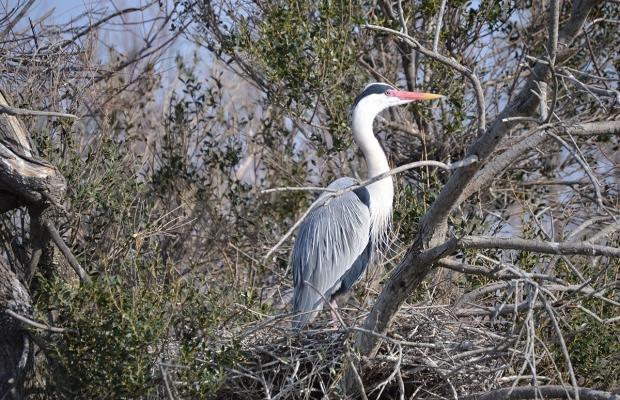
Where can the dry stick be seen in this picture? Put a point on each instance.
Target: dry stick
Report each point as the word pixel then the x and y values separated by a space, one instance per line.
pixel 554 28
pixel 401 15
pixel 573 236
pixel 612 228
pixel 356 375
pixel 552 359
pixel 102 21
pixel 333 310
pixel 335 193
pixel 34 261
pixel 592 56
pixel 164 375
pixel 299 189
pixel 37 324
pixel 17 18
pixel 593 90
pixel 549 311
pixel 51 229
pixel 565 353
pixel 600 78
pixel 560 248
pixel 438 23
pixel 401 384
pixel 4 109
pixel 295 225
pixel 554 101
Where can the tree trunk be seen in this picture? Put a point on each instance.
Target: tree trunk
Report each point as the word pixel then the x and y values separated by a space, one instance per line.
pixel 32 183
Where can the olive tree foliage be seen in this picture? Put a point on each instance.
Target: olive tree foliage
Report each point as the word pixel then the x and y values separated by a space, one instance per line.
pixel 119 201
pixel 526 234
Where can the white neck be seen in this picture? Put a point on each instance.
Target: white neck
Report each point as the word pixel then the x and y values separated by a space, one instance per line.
pixel 381 192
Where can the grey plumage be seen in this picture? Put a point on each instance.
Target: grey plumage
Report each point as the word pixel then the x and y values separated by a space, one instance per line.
pixel 331 251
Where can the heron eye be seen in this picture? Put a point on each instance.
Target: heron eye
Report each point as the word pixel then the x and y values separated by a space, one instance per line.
pixel 387 93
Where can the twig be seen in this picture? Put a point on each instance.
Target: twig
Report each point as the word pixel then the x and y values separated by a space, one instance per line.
pixel 401 15
pixel 584 165
pixel 565 353
pixel 547 392
pixel 299 189
pixel 17 18
pixel 292 228
pixel 37 324
pixel 593 90
pixel 356 375
pixel 51 229
pixel 164 376
pixel 388 339
pixel 562 248
pixel 333 310
pixel 4 109
pixel 592 56
pixel 554 23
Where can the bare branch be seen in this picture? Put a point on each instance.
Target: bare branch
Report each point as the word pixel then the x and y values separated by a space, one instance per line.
pixel 551 391
pixel 537 246
pixel 17 18
pixel 38 325
pixel 51 229
pixel 438 23
pixel 4 109
pixel 584 165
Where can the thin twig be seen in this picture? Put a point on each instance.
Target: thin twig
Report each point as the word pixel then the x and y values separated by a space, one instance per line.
pixel 584 165
pixel 333 310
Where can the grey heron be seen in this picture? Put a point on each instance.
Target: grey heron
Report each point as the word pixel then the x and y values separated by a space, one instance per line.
pixel 335 243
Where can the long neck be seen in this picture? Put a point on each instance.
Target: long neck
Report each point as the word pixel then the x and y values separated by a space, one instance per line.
pixel 381 192
pixel 365 138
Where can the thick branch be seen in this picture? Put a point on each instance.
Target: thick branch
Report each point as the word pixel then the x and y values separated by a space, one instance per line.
pixel 503 161
pixel 537 246
pixel 4 109
pixel 546 392
pixel 22 172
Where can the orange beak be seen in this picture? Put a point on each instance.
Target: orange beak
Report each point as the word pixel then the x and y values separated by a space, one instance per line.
pixel 404 95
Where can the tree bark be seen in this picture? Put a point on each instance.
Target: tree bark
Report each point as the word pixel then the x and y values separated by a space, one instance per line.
pixel 30 182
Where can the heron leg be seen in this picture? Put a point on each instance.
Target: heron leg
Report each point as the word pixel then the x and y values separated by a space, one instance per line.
pixel 334 316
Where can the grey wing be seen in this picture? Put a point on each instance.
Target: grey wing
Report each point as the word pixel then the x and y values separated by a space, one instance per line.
pixel 332 241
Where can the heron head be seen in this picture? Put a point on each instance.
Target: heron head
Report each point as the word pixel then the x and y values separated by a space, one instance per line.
pixel 376 97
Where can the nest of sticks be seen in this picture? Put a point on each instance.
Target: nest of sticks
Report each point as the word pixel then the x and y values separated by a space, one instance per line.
pixel 429 353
